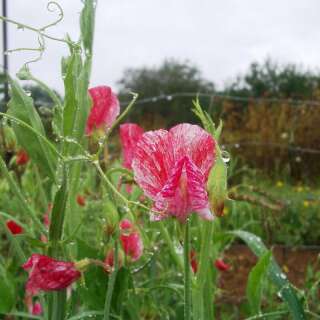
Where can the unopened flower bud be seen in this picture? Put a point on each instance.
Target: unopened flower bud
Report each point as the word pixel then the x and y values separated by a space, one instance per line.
pixel 112 217
pixel 217 186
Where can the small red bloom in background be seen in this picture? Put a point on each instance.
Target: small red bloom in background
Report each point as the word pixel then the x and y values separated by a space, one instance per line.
pixel 33 308
pixel 172 168
pixel 36 309
pixel 193 261
pixel 48 274
pixel 221 265
pixel 46 222
pixel 14 227
pixel 22 157
pixel 109 260
pixel 104 111
pixel 46 216
pixel 130 133
pixel 81 200
pixel 130 240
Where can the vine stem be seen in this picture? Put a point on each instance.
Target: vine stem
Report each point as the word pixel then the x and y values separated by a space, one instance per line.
pixel 187 278
pixel 39 31
pixel 111 283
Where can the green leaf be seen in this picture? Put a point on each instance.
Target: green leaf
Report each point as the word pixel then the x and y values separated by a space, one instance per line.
pixel 77 103
pixel 286 291
pixel 204 117
pixel 21 107
pixel 72 66
pixel 57 217
pixel 86 315
pixel 255 281
pixel 24 315
pixel 7 294
pixel 120 290
pixel 87 25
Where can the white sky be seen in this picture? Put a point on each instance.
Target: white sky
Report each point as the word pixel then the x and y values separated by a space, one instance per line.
pixel 221 37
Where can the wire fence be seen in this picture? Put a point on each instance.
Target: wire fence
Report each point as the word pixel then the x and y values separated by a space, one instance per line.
pixel 238 144
pixel 172 96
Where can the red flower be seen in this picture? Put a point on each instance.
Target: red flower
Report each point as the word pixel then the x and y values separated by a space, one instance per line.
pixel 193 261
pixel 105 109
pixel 22 157
pixel 130 133
pixel 172 168
pixel 36 309
pixel 81 200
pixel 14 227
pixel 130 240
pixel 48 274
pixel 221 265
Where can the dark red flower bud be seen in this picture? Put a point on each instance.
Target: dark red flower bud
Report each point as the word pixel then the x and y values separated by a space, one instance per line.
pixel 22 158
pixel 14 227
pixel 193 261
pixel 221 265
pixel 109 260
pixel 48 274
pixel 81 200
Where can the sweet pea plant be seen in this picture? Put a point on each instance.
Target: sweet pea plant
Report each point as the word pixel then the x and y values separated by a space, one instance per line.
pixel 95 237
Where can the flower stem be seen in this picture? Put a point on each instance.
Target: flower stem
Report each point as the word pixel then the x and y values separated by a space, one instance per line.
pixel 111 282
pixel 187 279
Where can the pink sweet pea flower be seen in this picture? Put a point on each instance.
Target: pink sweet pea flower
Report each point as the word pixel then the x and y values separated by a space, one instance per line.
pixel 104 111
pixel 172 168
pixel 130 133
pixel 130 240
pixel 48 274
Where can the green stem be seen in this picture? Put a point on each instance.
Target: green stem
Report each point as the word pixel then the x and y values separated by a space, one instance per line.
pixel 202 275
pixel 111 283
pixel 187 278
pixel 57 300
pixel 166 236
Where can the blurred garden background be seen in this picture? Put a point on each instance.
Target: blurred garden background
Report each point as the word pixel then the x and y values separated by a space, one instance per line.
pixel 270 111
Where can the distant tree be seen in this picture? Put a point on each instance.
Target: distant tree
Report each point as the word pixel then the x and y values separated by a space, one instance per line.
pixel 273 80
pixel 170 77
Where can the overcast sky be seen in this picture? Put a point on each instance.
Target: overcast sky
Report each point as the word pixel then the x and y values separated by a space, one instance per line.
pixel 221 37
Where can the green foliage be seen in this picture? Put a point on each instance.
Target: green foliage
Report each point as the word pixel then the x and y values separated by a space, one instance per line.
pixel 286 291
pixel 255 282
pixel 269 79
pixel 21 107
pixel 87 25
pixel 7 292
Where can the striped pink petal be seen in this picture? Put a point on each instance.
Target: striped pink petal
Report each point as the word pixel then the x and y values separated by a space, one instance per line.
pixel 130 133
pixel 172 168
